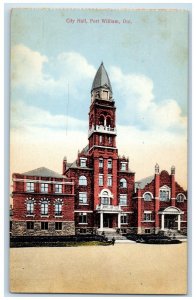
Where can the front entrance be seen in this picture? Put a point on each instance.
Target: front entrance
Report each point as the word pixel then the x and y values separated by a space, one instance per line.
pixel 107 221
pixel 170 221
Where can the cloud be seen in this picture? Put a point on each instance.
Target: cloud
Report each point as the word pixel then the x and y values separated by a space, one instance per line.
pixel 26 117
pixel 140 108
pixel 38 73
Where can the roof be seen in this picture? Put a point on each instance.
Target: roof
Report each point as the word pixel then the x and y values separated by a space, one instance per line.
pixel 101 79
pixel 143 182
pixel 43 172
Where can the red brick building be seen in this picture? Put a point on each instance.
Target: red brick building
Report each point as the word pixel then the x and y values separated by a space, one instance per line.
pixel 98 190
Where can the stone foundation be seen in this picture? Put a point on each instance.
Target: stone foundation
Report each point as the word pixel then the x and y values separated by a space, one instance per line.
pixel 19 228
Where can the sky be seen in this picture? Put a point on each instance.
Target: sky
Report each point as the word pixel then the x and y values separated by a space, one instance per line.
pixel 54 58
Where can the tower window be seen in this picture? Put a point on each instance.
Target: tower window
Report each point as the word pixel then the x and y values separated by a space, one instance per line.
pixel 109 180
pixel 109 163
pixel 105 95
pixel 100 180
pixel 109 140
pixel 123 183
pixel 123 199
pixel 100 139
pixel 101 163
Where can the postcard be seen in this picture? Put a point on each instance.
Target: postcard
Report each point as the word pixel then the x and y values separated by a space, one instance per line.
pixel 98 151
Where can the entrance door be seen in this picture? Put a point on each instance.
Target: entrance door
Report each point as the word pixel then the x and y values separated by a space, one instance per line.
pixel 170 221
pixel 107 221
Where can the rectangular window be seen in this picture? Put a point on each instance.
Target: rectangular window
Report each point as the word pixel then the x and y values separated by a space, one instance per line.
pixel 30 186
pixel 30 225
pixel 100 180
pixel 101 163
pixel 147 216
pixel 44 187
pixel 58 209
pixel 109 163
pixel 123 199
pixel 100 139
pixel 109 180
pixel 147 230
pixel 124 219
pixel 44 225
pixel 58 225
pixel 109 140
pixel 82 198
pixel 58 188
pixel 83 162
pixel 105 200
pixel 83 218
pixel 123 166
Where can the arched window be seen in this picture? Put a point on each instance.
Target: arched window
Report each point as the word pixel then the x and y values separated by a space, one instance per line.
pixel 105 198
pixel 44 207
pixel 123 183
pixel 101 120
pixel 30 207
pixel 180 197
pixel 108 121
pixel 82 180
pixel 147 196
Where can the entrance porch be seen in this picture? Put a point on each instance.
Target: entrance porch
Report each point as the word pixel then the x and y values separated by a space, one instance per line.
pixel 109 217
pixel 171 218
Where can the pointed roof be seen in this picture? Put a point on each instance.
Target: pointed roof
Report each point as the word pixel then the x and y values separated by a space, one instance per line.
pixel 43 172
pixel 101 79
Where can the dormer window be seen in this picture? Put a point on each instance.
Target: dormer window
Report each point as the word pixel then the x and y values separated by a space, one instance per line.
pixel 83 162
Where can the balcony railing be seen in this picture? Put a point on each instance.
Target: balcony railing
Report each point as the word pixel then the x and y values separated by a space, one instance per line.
pixel 102 129
pixel 107 207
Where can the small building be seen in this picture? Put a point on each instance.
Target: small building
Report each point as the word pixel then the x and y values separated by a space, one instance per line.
pixel 160 203
pixel 43 203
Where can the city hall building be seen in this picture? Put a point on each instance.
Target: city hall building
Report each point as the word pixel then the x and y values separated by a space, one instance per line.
pixel 97 192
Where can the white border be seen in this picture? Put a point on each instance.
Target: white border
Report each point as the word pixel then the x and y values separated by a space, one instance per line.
pixel 4 174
